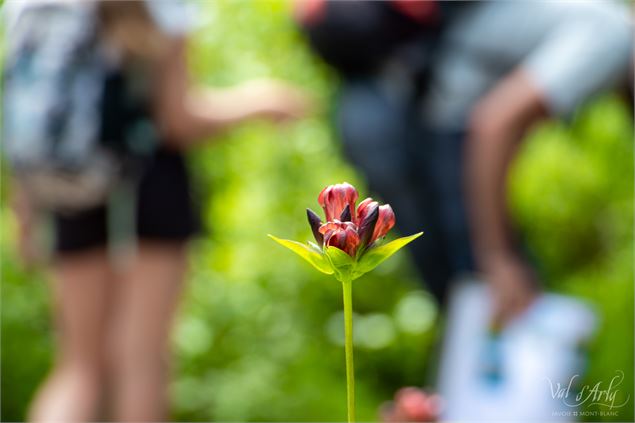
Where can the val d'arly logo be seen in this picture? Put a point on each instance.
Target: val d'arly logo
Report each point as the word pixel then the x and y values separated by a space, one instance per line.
pixel 600 394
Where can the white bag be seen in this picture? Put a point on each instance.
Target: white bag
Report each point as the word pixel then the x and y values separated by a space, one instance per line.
pixel 520 374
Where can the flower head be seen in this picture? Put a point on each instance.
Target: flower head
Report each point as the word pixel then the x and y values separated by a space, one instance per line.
pixel 346 227
pixel 348 240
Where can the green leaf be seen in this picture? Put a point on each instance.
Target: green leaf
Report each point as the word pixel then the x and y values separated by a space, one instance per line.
pixel 342 263
pixel 317 259
pixel 376 255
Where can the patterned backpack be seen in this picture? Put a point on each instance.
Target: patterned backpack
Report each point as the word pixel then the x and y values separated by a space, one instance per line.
pixel 60 104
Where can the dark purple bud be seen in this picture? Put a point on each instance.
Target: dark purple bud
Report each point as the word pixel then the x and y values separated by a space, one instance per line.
pixel 315 222
pixel 367 225
pixel 346 214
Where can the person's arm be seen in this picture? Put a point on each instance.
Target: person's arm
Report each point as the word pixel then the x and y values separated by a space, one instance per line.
pixel 498 124
pixel 187 114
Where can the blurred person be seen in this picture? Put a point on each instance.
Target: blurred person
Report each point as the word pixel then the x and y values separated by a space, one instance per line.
pixel 433 108
pixel 497 75
pixel 384 52
pixel 114 320
pixel 439 149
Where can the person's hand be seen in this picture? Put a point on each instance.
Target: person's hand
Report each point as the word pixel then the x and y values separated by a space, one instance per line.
pixel 514 286
pixel 411 405
pixel 276 100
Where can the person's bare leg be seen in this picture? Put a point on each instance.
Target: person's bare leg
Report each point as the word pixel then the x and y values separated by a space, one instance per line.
pixel 498 123
pixel 72 392
pixel 148 296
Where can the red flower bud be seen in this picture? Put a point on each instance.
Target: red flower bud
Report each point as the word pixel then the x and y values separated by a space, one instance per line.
pixel 342 235
pixel 335 198
pixel 385 222
pixel 368 220
pixel 363 210
pixel 345 227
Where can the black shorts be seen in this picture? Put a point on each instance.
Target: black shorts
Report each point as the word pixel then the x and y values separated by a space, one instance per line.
pixel 165 209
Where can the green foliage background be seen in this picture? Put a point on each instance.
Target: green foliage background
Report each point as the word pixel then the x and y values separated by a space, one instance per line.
pixel 259 333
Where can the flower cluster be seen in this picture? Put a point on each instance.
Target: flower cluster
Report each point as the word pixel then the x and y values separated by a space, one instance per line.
pixel 349 229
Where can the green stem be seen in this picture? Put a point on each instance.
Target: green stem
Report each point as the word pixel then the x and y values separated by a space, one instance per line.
pixel 347 288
